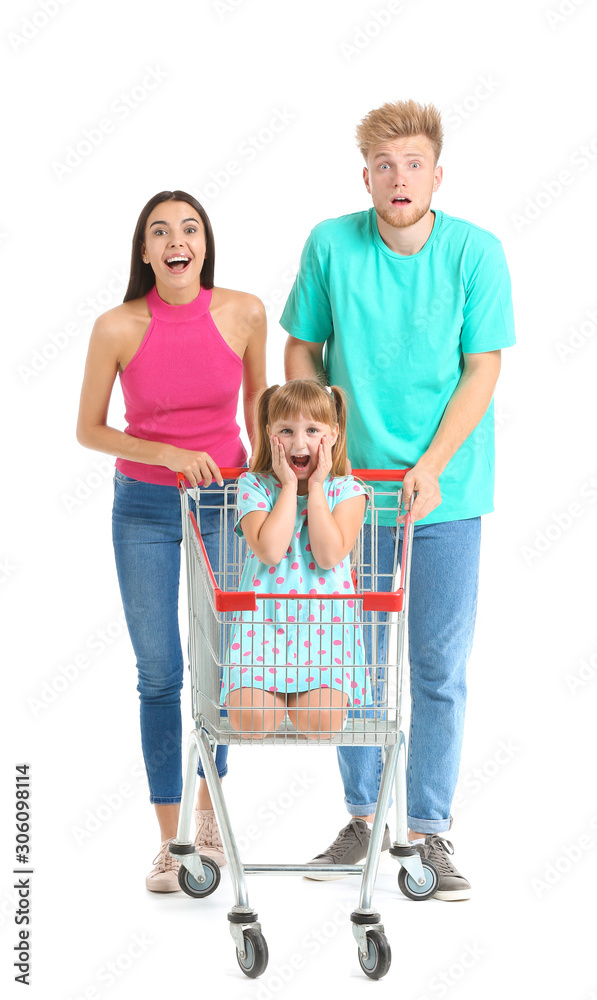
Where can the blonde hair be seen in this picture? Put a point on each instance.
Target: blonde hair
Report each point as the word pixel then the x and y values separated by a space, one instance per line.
pixel 309 398
pixel 398 119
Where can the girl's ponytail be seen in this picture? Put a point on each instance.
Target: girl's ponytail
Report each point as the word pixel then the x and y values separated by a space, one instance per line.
pixel 262 453
pixel 339 454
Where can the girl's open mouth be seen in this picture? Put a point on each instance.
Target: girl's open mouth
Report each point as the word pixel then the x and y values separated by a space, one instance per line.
pixel 300 461
pixel 179 263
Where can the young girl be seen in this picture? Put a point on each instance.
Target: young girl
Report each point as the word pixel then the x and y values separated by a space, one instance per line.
pixel 300 514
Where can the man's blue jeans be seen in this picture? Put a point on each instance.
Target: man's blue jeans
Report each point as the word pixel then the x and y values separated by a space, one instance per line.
pixel 147 535
pixel 441 621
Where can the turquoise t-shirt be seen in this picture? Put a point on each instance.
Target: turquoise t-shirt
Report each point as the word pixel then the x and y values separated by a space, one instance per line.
pixel 395 330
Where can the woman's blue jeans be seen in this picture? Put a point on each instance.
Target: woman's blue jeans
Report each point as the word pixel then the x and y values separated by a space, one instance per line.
pixel 441 621
pixel 147 535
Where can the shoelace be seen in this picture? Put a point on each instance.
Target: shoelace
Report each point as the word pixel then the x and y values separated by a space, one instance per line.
pixel 343 839
pixel 437 850
pixel 208 832
pixel 164 861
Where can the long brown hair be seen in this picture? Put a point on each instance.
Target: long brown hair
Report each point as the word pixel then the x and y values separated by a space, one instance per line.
pixel 306 397
pixel 142 278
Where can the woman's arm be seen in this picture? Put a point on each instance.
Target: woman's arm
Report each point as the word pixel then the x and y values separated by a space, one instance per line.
pixel 101 368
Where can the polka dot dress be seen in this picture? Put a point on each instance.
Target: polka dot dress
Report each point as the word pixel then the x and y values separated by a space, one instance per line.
pixel 289 644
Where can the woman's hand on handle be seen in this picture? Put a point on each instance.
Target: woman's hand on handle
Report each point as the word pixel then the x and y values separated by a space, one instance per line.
pixel 197 466
pixel 425 483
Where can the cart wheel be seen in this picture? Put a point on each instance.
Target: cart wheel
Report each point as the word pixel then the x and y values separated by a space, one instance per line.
pixel 189 884
pixel 254 961
pixel 412 889
pixel 379 956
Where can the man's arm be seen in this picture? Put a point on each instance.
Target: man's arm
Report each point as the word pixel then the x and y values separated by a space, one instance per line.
pixel 303 359
pixel 466 406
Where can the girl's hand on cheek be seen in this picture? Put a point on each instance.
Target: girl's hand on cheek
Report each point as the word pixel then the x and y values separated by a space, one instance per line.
pixel 324 462
pixel 280 466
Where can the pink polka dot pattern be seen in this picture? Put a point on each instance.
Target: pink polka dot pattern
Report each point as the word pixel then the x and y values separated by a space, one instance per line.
pixel 297 644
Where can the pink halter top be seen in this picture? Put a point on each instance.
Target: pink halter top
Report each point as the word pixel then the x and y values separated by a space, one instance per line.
pixel 182 387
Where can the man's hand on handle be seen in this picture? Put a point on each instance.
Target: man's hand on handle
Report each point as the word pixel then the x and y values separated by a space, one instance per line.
pixel 425 483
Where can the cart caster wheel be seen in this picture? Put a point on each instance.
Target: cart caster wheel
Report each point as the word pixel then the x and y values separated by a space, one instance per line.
pixel 379 956
pixel 254 960
pixel 412 889
pixel 189 884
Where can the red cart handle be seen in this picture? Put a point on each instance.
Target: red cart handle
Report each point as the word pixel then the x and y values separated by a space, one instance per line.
pixel 372 601
pixel 379 475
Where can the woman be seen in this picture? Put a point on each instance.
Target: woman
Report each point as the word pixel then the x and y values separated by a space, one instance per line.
pixel 181 348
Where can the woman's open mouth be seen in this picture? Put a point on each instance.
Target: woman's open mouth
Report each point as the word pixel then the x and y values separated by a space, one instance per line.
pixel 178 263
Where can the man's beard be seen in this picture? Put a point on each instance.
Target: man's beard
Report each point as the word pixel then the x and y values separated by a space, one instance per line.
pixel 400 218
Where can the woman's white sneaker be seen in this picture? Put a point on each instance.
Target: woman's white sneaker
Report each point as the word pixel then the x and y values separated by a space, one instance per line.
pixel 164 877
pixel 207 839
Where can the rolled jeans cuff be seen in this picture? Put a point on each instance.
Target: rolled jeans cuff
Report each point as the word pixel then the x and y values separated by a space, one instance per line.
pixel 359 810
pixel 429 825
pixel 221 773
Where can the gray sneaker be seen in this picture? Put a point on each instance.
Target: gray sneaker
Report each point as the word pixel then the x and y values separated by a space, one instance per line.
pixel 452 885
pixel 350 847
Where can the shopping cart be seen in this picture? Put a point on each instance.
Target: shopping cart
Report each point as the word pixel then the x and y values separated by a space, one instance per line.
pixel 377 620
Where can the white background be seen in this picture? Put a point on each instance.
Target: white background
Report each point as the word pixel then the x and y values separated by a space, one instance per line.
pixel 516 86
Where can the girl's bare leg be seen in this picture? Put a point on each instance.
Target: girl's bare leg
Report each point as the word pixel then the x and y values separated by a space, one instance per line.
pixel 255 713
pixel 318 713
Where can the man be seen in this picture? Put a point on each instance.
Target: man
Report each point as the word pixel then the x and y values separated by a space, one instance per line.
pixel 407 310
